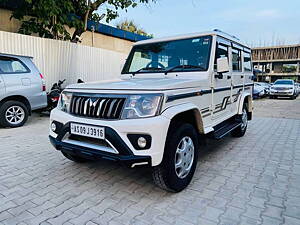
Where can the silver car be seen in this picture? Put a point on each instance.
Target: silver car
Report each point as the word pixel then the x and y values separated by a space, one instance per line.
pixel 22 89
pixel 283 88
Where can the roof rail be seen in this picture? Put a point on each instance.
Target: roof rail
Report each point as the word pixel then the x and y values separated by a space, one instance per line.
pixel 220 31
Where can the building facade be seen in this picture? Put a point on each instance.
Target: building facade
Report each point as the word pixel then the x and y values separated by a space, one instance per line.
pixel 277 62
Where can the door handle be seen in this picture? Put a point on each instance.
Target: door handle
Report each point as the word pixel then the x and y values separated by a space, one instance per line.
pixel 228 77
pixel 242 76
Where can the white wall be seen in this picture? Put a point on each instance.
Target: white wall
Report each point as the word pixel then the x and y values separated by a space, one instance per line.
pixel 64 60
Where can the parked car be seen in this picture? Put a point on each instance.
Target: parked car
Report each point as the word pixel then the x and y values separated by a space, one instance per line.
pixel 22 89
pixel 266 87
pixel 173 93
pixel 258 91
pixel 297 85
pixel 283 88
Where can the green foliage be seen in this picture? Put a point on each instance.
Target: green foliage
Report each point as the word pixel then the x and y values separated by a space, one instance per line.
pixel 48 18
pixel 130 26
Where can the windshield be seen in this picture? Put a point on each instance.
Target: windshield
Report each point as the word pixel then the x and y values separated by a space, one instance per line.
pixel 180 55
pixel 289 82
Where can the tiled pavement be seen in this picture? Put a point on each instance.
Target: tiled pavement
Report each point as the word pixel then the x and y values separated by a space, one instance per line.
pixel 250 180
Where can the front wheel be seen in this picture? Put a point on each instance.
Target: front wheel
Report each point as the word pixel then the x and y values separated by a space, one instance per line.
pixel 180 158
pixel 241 130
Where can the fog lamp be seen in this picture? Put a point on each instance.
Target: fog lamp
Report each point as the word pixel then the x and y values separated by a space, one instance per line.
pixel 53 127
pixel 142 142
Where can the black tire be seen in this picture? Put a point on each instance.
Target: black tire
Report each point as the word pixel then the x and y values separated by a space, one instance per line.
pixel 74 158
pixel 165 175
pixel 275 96
pixel 241 130
pixel 5 107
pixel 271 97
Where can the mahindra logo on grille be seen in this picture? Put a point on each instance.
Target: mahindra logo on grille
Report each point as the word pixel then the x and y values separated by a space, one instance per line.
pixel 93 101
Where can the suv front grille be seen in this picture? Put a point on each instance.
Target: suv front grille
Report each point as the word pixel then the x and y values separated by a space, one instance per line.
pixel 281 88
pixel 97 107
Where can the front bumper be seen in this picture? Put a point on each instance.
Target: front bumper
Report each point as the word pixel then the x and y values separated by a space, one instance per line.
pixel 117 133
pixel 93 154
pixel 281 93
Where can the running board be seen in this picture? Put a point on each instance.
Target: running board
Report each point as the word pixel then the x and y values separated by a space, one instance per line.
pixel 224 128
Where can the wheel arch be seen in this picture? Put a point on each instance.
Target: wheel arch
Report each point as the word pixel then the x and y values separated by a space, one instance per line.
pixel 188 113
pixel 246 98
pixel 18 98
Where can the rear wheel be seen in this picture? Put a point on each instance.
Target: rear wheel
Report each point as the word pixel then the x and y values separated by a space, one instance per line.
pixel 13 114
pixel 74 158
pixel 180 158
pixel 241 130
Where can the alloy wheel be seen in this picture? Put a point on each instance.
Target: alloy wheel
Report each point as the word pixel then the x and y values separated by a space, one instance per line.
pixel 15 115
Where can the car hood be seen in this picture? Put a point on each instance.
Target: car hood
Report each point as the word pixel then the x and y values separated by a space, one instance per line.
pixel 139 84
pixel 282 86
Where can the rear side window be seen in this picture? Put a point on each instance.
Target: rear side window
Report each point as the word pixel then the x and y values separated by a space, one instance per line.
pixel 12 65
pixel 247 61
pixel 236 59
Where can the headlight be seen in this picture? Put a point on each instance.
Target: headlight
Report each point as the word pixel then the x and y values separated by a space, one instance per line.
pixel 142 106
pixel 64 101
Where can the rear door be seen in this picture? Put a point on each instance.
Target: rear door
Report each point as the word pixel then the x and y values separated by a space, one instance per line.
pixel 237 74
pixel 15 75
pixel 2 87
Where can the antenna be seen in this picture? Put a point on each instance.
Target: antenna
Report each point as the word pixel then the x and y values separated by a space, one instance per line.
pixel 220 31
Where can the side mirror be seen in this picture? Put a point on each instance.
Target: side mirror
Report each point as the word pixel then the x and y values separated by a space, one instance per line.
pixel 222 65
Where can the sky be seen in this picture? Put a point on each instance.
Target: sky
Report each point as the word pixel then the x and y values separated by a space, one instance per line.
pixel 256 22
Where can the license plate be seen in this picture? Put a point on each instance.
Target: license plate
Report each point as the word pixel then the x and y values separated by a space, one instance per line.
pixel 88 131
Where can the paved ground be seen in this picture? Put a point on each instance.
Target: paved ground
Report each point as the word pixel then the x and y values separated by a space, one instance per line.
pixel 277 108
pixel 251 180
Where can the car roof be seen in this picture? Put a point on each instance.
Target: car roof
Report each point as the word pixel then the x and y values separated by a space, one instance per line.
pixel 193 35
pixel 14 55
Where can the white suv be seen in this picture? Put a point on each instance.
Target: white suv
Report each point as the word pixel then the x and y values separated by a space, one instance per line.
pixel 283 88
pixel 172 93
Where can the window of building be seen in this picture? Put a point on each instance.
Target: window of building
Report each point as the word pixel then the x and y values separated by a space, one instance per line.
pixel 236 59
pixel 247 61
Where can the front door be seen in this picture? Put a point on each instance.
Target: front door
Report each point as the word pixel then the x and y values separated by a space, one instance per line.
pixel 221 86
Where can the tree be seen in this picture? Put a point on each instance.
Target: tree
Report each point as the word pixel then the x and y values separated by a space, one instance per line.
pixel 49 18
pixel 130 26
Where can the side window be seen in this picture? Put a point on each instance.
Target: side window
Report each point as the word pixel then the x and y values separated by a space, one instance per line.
pixel 221 52
pixel 236 59
pixel 12 65
pixel 247 62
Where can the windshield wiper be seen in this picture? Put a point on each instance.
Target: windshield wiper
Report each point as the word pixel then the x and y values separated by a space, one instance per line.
pixel 146 69
pixel 184 67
